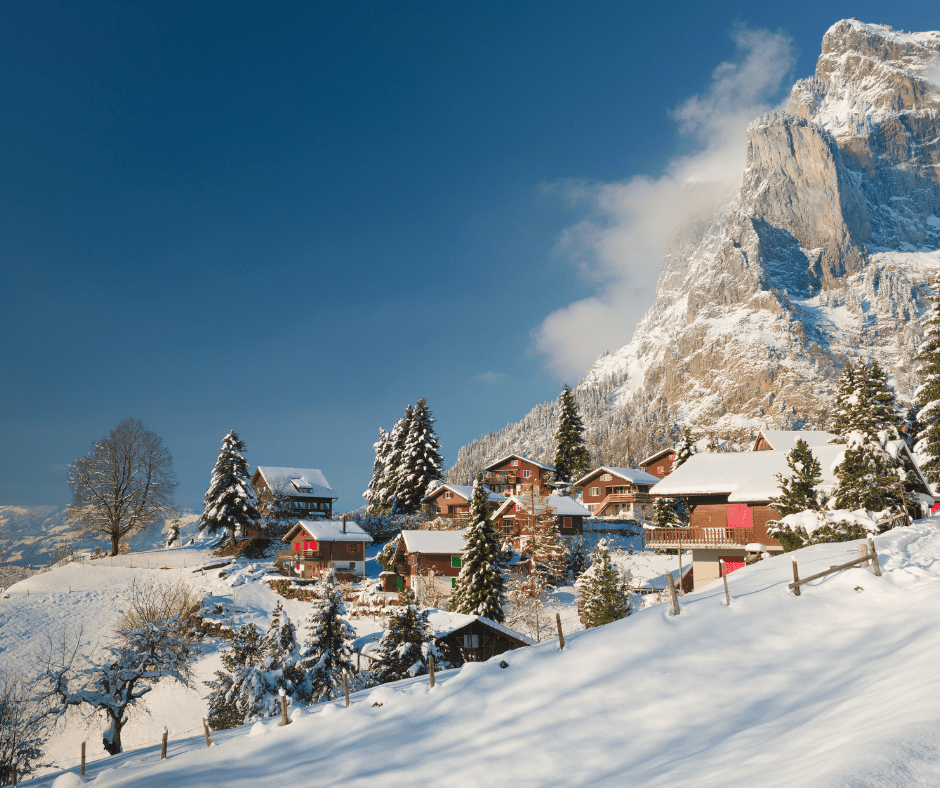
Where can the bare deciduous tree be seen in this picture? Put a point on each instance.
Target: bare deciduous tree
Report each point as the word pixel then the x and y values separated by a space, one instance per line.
pixel 123 485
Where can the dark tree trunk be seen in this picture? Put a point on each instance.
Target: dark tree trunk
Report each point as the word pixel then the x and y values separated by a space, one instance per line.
pixel 112 735
pixel 232 532
pixel 115 540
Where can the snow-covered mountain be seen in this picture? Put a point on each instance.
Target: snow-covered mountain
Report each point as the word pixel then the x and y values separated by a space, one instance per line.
pixel 826 252
pixel 35 535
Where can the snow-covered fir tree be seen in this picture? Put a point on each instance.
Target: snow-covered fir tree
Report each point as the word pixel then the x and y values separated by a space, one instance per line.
pixel 406 643
pixel 244 651
pixel 420 463
pixel 481 584
pixel 799 490
pixel 685 448
pixel 674 512
pixel 327 652
pixel 386 556
pixel 377 494
pixel 578 559
pixel 173 531
pixel 927 398
pixel 844 413
pixel 865 402
pixel 604 589
pixel 230 501
pixel 572 458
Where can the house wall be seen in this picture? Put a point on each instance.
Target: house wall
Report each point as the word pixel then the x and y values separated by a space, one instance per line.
pixel 518 478
pixel 459 504
pixel 491 642
pixel 661 467
pixel 338 555
pixel 708 511
pixel 762 445
pixel 705 566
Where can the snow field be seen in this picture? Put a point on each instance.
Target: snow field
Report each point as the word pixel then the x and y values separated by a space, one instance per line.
pixel 834 688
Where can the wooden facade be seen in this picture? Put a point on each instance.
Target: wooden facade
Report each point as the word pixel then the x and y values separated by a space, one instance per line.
pixel 315 547
pixel 514 520
pixel 427 560
pixel 660 464
pixel 444 502
pixel 301 493
pixel 516 474
pixel 477 641
pixel 618 492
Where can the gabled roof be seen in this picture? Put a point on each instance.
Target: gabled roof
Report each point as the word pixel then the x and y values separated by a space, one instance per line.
pixel 536 463
pixel 444 623
pixel 751 476
pixel 329 531
pixel 464 491
pixel 561 505
pixel 442 542
pixel 785 440
pixel 319 486
pixel 654 457
pixel 634 475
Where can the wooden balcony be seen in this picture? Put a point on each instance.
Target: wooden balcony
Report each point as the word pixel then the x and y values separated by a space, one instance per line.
pixel 707 537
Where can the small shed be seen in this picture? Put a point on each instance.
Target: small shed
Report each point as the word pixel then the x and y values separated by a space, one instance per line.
pixel 465 638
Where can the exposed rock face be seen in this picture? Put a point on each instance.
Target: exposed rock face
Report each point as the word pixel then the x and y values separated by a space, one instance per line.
pixel 826 253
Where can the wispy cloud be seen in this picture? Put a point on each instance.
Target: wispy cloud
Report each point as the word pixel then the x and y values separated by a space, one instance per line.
pixel 620 243
pixel 932 74
pixel 491 377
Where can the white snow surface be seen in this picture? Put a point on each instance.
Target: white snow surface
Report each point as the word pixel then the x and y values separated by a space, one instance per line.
pixel 561 505
pixel 785 440
pixel 443 622
pixel 832 689
pixel 331 531
pixel 319 486
pixel 450 542
pixel 464 491
pixel 634 475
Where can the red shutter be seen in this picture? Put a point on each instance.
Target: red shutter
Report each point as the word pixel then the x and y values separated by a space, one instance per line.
pixel 740 515
pixel 732 564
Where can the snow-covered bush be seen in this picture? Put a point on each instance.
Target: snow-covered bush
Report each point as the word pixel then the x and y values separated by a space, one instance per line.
pixel 406 643
pixel 604 589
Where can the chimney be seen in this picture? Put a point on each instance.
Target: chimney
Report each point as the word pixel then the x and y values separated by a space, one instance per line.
pixel 344 523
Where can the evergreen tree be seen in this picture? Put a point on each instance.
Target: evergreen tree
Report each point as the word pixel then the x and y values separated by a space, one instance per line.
pixel 578 559
pixel 674 512
pixel 230 501
pixel 684 449
pixel 173 531
pixel 245 650
pixel 798 491
pixel 420 462
pixel 481 585
pixel 327 651
pixel 845 416
pixel 871 478
pixel 572 458
pixel 406 644
pixel 927 397
pixel 377 494
pixel 604 589
pixel 865 403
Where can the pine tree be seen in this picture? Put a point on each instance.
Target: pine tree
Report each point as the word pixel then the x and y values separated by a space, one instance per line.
pixel 604 589
pixel 684 449
pixel 572 458
pixel 798 491
pixel 245 650
pixel 230 501
pixel 406 644
pixel 481 585
pixel 870 478
pixel 420 462
pixel 173 531
pixel 377 494
pixel 578 559
pixel 327 651
pixel 927 397
pixel 674 512
pixel 865 403
pixel 845 417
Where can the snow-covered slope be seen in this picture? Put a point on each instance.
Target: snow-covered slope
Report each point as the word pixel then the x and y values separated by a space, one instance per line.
pixel 828 251
pixel 33 535
pixel 834 688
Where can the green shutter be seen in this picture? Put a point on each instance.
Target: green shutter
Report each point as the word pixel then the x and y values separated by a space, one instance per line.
pixel 453 582
pixel 455 562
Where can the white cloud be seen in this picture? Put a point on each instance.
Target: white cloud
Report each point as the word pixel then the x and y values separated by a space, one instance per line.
pixel 621 241
pixel 932 74
pixel 491 377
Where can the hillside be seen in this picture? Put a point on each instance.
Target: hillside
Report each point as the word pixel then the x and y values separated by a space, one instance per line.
pixel 834 688
pixel 827 252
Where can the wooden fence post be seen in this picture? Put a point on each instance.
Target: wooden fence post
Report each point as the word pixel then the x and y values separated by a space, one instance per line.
pixel 163 746
pixel 81 771
pixel 345 689
pixel 431 668
pixel 863 552
pixel 724 575
pixel 561 637
pixel 205 727
pixel 672 594
pixel 876 567
pixel 284 719
pixel 796 578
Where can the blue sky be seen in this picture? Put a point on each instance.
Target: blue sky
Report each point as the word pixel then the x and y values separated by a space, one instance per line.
pixel 293 220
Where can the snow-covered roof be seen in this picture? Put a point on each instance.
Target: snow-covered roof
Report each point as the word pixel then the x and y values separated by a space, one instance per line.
pixel 657 455
pixel 785 440
pixel 634 475
pixel 747 476
pixel 536 463
pixel 561 505
pixel 444 542
pixel 319 487
pixel 464 491
pixel 443 623
pixel 330 531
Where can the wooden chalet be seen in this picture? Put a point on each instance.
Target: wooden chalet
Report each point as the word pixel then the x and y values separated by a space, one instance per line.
pixel 729 498
pixel 318 545
pixel 659 464
pixel 427 561
pixel 618 493
pixel 515 518
pixel 785 440
pixel 300 492
pixel 453 500
pixel 462 638
pixel 515 474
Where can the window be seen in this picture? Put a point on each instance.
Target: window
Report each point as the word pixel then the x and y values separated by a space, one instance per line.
pixel 451 509
pixel 471 641
pixel 414 559
pixel 606 477
pixel 455 562
pixel 515 463
pixel 525 474
pixel 507 527
pixel 437 509
pixel 660 470
pixel 448 494
pixel 566 523
pixel 352 564
pixel 595 491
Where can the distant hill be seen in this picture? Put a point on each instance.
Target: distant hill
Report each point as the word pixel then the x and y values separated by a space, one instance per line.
pixel 31 535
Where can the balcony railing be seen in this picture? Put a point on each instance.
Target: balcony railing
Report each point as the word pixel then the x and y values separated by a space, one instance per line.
pixel 708 537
